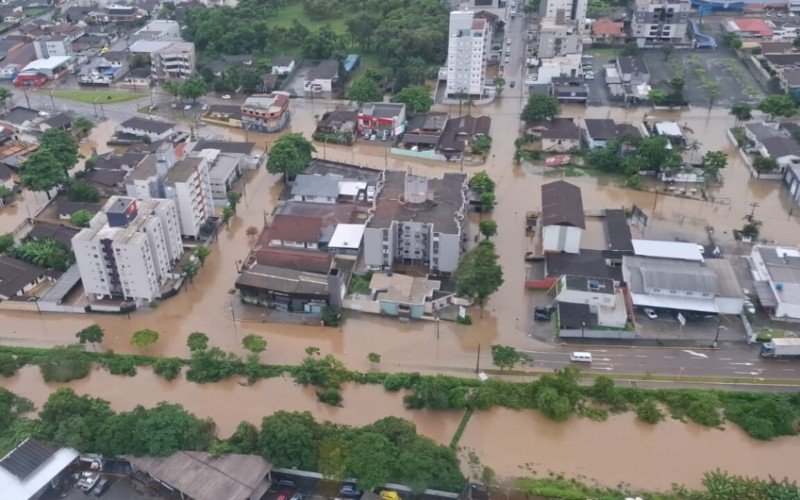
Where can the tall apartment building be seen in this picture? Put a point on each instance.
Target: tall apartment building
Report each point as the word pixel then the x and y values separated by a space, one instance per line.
pixel 658 22
pixel 188 184
pixel 175 61
pixel 129 248
pixel 418 221
pixel 467 53
pixel 52 46
pixel 561 27
pixel 266 112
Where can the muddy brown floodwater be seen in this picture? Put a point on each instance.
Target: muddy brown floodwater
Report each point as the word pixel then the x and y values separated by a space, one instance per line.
pixel 513 443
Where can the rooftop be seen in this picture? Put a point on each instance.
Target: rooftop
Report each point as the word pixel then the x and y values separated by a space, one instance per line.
pixel 152 126
pixel 618 232
pixel 443 206
pixel 293 258
pixel 347 171
pixel 283 280
pixel 183 169
pixel 226 146
pixel 15 274
pixel 282 60
pixel 668 249
pixel 60 120
pixel 779 147
pixel 632 65
pixel 292 228
pixel 573 316
pixel 753 25
pixel 601 128
pixel 325 70
pixel 60 233
pixel 562 205
pixel 317 185
pixel 347 236
pixel 202 476
pixel 593 285
pixel 458 131
pixel 588 263
pixel 607 28
pixel 648 274
pixel 29 467
pixel 402 288
pixel 557 128
pixel 383 110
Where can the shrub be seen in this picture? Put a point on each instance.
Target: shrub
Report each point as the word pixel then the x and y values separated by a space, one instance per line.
pixel 213 365
pixel 396 381
pixel 65 364
pixel 169 368
pixel 648 412
pixel 8 364
pixel 466 320
pixel 121 365
pixel 330 396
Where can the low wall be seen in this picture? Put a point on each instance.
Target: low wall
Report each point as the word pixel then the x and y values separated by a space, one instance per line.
pixel 18 305
pixel 367 306
pixel 62 308
pixel 422 155
pixel 597 334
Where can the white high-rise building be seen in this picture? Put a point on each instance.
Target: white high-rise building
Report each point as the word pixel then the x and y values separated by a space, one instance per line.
pixel 561 27
pixel 129 248
pixel 188 184
pixel 467 53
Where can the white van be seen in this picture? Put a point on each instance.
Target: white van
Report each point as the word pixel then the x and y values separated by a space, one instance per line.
pixel 581 357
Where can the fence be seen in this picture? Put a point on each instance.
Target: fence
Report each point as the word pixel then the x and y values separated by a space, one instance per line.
pixel 597 334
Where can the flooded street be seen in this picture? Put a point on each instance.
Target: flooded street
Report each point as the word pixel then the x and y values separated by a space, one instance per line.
pixel 513 443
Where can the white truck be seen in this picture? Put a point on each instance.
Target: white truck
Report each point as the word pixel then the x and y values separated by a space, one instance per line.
pixel 778 348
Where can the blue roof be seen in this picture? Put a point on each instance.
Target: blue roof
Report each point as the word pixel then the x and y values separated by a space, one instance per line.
pixel 351 62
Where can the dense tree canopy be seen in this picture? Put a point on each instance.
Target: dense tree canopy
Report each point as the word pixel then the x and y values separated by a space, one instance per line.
pixel 417 98
pixel 364 90
pixel 479 274
pixel 289 155
pixel 41 171
pixel 540 107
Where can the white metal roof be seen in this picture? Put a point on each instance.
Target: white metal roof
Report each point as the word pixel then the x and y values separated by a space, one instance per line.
pixel 668 128
pixel 13 487
pixel 668 249
pixel 351 188
pixel 674 302
pixel 49 63
pixel 347 236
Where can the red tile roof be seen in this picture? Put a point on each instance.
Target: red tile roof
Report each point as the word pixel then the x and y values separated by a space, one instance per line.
pixel 607 28
pixel 754 26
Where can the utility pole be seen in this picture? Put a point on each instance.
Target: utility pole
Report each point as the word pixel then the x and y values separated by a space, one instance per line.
pixel 478 361
pixel 753 206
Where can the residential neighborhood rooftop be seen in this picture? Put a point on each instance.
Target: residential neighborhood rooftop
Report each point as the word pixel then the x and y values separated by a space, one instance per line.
pixel 562 205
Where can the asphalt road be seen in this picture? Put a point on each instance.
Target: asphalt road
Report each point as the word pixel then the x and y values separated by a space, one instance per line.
pixel 730 363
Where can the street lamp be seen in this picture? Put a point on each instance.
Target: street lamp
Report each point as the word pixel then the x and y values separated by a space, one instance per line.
pixel 719 327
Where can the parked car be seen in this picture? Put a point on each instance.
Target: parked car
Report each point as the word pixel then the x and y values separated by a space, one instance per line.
pixel 588 76
pixel 226 97
pixel 749 306
pixel 205 107
pixel 541 316
pixel 513 82
pixel 651 313
pixel 101 487
pixel 751 150
pixel 187 107
pixel 286 484
pixel 350 491
pixel 297 496
pixel 285 495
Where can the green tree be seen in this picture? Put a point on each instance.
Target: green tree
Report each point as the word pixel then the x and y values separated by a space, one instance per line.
pixel 552 404
pixel 254 343
pixel 417 98
pixel 765 164
pixel 144 338
pixel 312 351
pixel 6 242
pixel 233 199
pixel 82 126
pixel 647 411
pixel 190 269
pixel 41 171
pixel 72 420
pixel 752 226
pixel 320 44
pixel 713 162
pixel 5 95
pixel 81 190
pixel 506 357
pixel 481 182
pixel 6 193
pixel 290 440
pixel 91 334
pixel 193 88
pixel 630 49
pixel 374 357
pixel 167 428
pixel 777 105
pixel 202 252
pixel 364 90
pixel 169 368
pixel 713 92
pixel 488 228
pixel 667 49
pixel 659 97
pixel 369 459
pixel 488 201
pixel 289 155
pixel 81 218
pixel 197 341
pixel 173 88
pixel 479 274
pixel 62 146
pixel 500 84
pixel 227 214
pixel 45 252
pixel 742 111
pixel 540 107
pixel 482 143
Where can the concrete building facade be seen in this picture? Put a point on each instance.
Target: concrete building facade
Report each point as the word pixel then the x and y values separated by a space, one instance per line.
pixel 467 53
pixel 188 184
pixel 658 22
pixel 418 221
pixel 129 248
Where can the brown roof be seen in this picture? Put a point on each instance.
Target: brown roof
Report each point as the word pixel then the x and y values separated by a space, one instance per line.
pixel 297 228
pixel 557 128
pixel 301 260
pixel 607 28
pixel 562 205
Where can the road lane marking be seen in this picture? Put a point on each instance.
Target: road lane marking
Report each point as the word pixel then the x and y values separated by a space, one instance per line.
pixel 668 357
pixel 745 364
pixel 787 369
pixel 725 359
pixel 697 354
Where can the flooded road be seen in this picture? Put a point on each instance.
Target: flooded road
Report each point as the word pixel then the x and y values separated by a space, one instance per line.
pixel 513 443
pixel 204 304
